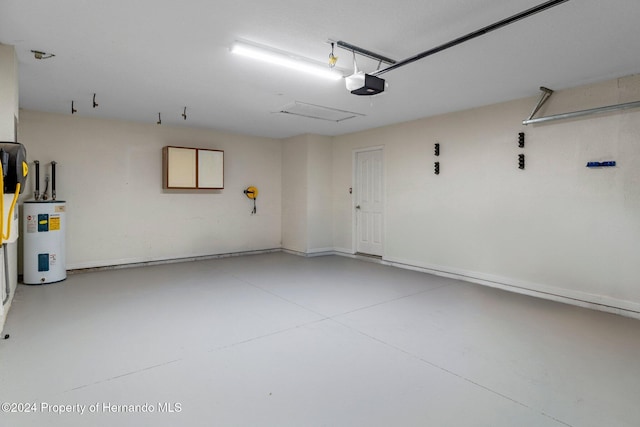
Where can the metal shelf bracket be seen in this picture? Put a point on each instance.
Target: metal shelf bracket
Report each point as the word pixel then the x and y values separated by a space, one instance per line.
pixel 546 93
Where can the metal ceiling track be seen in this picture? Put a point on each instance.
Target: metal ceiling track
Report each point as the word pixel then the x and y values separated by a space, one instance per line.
pixel 365 52
pixel 482 31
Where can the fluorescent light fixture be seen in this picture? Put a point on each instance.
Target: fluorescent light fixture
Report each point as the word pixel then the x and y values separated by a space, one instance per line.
pixel 286 60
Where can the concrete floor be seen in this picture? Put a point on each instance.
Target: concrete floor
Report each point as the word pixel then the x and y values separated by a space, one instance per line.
pixel 281 340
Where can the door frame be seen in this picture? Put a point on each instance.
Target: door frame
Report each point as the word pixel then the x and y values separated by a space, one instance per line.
pixel 354 186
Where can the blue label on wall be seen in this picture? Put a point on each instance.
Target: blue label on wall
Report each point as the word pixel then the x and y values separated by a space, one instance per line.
pixel 608 164
pixel 43 222
pixel 43 262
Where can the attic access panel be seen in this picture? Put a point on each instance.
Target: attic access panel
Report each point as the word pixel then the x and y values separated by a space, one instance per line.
pixel 318 112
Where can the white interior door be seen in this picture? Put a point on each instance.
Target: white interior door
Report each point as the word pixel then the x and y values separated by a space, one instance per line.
pixel 369 202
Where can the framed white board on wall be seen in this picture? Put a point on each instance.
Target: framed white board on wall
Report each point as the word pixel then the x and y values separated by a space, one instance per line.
pixel 210 169
pixel 192 168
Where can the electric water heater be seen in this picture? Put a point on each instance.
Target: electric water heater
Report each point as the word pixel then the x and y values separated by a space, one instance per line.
pixel 44 229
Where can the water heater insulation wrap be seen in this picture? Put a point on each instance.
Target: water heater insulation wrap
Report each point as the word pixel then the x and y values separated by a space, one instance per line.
pixel 44 229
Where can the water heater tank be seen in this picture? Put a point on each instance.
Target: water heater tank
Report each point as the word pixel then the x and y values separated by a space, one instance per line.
pixel 44 228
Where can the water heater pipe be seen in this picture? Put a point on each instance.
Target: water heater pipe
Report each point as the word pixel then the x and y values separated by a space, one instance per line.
pixel 36 193
pixel 53 180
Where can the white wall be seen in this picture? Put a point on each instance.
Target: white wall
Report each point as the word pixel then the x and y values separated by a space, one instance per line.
pixel 306 194
pixel 294 194
pixel 8 92
pixel 555 227
pixel 110 174
pixel 319 200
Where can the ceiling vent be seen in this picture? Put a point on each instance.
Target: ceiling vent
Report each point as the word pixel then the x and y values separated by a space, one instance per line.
pixel 312 111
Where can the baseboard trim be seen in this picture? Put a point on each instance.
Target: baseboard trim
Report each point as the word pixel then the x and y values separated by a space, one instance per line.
pixel 577 298
pixel 310 254
pixel 143 263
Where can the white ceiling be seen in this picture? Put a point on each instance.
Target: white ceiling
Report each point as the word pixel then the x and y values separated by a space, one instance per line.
pixel 142 57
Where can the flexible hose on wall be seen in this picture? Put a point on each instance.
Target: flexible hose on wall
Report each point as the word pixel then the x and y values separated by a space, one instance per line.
pixel 7 283
pixel 7 286
pixel 21 170
pixel 11 209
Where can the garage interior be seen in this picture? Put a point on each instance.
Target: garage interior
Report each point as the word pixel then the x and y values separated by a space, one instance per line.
pixel 445 234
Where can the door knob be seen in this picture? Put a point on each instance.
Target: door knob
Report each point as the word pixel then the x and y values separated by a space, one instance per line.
pixel 357 206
